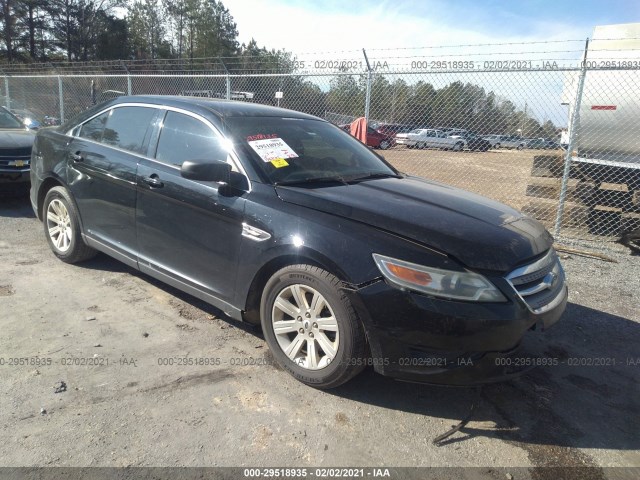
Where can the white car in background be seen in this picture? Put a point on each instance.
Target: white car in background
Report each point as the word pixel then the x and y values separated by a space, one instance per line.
pixel 513 141
pixel 429 138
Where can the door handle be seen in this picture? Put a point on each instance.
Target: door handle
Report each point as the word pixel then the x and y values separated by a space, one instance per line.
pixel 76 157
pixel 153 181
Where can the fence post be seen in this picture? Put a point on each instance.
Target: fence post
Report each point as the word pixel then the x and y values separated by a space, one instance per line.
pixel 574 124
pixel 6 91
pixel 124 65
pixel 228 78
pixel 367 98
pixel 61 99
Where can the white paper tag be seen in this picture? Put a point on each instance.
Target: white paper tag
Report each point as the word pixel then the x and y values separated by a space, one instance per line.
pixel 272 149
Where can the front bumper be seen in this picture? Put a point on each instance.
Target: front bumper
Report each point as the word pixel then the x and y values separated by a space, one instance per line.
pixel 13 181
pixel 14 175
pixel 418 338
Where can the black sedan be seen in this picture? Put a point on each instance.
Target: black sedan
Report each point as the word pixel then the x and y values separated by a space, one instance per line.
pixel 474 142
pixel 282 219
pixel 15 152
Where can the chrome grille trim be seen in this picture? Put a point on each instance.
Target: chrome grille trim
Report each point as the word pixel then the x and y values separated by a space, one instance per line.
pixel 541 284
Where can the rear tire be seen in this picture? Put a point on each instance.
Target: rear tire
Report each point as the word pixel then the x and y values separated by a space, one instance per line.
pixel 62 227
pixel 384 144
pixel 311 327
pixel 497 146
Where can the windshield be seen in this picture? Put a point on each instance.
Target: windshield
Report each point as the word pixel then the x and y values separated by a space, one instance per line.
pixel 292 150
pixel 8 120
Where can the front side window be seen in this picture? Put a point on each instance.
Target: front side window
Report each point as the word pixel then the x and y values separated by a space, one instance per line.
pixel 185 138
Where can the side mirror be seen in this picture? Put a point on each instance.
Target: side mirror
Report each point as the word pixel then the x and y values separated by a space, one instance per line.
pixel 206 171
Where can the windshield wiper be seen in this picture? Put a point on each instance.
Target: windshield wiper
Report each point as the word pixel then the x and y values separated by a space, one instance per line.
pixel 302 181
pixel 373 175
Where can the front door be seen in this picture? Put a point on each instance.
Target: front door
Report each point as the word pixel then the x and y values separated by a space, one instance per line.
pixel 188 230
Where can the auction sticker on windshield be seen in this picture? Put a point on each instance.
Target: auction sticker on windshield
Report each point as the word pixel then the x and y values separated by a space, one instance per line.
pixel 272 149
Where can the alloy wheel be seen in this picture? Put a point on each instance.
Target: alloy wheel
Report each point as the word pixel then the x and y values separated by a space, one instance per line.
pixel 59 225
pixel 305 327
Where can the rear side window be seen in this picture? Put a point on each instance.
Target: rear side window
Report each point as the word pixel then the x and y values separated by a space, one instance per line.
pixel 127 126
pixel 185 138
pixel 93 129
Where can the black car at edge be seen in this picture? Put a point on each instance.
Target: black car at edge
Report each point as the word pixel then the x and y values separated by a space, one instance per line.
pixel 15 152
pixel 280 218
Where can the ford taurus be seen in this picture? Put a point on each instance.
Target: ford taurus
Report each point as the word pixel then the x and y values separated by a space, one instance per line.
pixel 281 219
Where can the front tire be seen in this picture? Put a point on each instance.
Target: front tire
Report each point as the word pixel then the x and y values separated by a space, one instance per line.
pixel 311 327
pixel 384 144
pixel 457 147
pixel 62 227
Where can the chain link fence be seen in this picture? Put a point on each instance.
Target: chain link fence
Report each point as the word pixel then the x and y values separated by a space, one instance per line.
pixel 549 129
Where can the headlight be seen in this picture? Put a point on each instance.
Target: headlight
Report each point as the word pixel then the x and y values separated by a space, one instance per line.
pixel 440 283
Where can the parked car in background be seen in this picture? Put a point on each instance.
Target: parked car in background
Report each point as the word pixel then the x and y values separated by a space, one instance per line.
pixel 513 141
pixel 494 140
pixel 454 131
pixel 28 118
pixel 474 142
pixel 16 141
pixel 375 139
pixel 50 121
pixel 543 144
pixel 392 129
pixel 429 138
pixel 281 220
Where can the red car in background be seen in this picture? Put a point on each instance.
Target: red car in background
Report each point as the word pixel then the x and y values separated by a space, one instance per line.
pixel 374 139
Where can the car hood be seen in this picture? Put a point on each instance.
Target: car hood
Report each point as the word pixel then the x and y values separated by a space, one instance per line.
pixel 11 138
pixel 479 232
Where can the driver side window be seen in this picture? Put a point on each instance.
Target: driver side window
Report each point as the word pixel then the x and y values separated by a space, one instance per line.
pixel 183 138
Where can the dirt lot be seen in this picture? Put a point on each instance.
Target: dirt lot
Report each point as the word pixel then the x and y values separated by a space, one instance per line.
pixel 110 333
pixel 500 174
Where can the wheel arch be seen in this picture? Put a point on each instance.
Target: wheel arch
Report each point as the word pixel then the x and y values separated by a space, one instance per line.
pixel 251 311
pixel 46 185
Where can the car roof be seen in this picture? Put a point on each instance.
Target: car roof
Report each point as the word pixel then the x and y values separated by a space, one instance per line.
pixel 219 107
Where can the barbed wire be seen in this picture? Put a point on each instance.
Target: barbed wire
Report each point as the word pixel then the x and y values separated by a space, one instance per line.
pixel 279 61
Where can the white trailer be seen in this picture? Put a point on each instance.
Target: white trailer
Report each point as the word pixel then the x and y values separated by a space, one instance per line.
pixel 608 125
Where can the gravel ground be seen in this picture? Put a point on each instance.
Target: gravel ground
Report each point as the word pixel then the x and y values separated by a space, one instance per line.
pixel 127 409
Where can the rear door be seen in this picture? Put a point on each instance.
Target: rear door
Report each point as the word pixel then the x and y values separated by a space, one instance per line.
pixel 188 231
pixel 442 140
pixel 102 163
pixel 432 139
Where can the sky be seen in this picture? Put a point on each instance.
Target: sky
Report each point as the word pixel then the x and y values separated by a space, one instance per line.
pixel 334 25
pixel 403 31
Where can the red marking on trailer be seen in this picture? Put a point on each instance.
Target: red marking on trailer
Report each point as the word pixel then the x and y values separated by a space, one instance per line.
pixel 603 107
